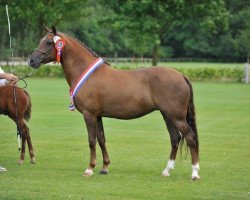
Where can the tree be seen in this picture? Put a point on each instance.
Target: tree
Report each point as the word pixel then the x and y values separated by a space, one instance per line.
pixel 29 17
pixel 178 28
pixel 238 34
pixel 151 20
pixel 99 37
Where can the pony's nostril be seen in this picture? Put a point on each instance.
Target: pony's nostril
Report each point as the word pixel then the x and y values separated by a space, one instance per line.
pixel 31 61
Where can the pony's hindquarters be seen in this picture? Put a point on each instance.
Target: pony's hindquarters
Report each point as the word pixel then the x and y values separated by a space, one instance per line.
pixel 16 104
pixel 23 100
pixel 27 113
pixel 174 98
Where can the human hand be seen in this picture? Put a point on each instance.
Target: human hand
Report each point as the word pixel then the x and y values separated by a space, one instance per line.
pixel 11 78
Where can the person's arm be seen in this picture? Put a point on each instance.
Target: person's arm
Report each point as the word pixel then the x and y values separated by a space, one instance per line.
pixel 7 79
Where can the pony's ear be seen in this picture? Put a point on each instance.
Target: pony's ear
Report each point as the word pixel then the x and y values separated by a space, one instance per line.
pixel 54 30
pixel 46 29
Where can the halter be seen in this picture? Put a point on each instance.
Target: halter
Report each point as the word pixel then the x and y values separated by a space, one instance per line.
pixel 59 45
pixel 47 54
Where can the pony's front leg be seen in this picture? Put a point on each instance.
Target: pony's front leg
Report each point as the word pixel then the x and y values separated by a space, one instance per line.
pixel 91 123
pixel 101 140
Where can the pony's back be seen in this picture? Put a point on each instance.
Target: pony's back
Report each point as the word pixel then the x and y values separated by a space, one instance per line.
pixel 12 98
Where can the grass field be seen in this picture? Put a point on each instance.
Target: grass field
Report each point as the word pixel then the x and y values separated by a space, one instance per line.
pixel 138 149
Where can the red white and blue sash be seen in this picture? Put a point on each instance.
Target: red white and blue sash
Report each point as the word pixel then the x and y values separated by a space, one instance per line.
pixel 97 63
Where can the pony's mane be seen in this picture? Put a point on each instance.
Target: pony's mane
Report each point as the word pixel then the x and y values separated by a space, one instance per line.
pixel 86 47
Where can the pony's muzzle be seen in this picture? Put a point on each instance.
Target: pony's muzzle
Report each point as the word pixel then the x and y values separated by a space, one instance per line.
pixel 34 63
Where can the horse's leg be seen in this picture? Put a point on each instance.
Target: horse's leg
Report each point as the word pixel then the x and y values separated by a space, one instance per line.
pixel 91 123
pixel 22 154
pixel 101 140
pixel 31 151
pixel 20 128
pixel 24 130
pixel 192 142
pixel 175 138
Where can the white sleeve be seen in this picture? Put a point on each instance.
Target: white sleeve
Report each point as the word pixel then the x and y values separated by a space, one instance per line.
pixel 2 81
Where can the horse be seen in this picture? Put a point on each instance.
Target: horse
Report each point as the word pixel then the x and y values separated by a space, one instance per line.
pixel 97 90
pixel 16 104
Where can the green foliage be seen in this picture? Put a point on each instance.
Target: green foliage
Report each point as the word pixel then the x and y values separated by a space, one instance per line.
pixel 214 74
pixel 215 29
pixel 44 71
pixel 29 17
pixel 202 73
pixel 150 22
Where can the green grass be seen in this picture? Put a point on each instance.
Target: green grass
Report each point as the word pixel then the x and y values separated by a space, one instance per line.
pixel 138 149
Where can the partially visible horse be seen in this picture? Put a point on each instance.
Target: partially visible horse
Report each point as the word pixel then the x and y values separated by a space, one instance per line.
pixel 16 104
pixel 97 91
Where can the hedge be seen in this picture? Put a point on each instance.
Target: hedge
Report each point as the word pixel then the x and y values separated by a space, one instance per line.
pixel 195 74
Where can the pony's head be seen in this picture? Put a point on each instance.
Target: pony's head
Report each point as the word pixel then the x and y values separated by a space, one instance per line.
pixel 49 49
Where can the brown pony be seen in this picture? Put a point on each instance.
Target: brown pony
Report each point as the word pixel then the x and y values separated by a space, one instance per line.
pixel 121 94
pixel 15 103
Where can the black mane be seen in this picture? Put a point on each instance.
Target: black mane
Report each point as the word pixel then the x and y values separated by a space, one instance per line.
pixel 88 48
pixel 84 45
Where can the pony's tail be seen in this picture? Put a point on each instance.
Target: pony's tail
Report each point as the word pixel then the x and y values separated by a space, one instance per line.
pixel 27 113
pixel 191 120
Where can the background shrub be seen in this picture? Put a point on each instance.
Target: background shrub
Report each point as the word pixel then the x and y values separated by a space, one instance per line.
pixel 217 74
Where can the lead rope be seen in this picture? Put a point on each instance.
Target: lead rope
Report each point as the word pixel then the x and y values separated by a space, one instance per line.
pixel 24 77
pixel 19 134
pixel 14 86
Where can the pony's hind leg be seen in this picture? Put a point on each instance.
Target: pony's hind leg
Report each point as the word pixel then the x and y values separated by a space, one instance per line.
pixel 31 151
pixel 24 130
pixel 101 140
pixel 192 142
pixel 175 138
pixel 21 130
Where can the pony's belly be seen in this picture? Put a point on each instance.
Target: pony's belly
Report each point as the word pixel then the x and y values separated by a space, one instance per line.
pixel 128 112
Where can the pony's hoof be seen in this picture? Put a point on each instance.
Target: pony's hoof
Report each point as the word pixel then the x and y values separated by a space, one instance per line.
pixel 88 173
pixel 20 162
pixel 165 174
pixel 104 171
pixel 195 178
pixel 33 161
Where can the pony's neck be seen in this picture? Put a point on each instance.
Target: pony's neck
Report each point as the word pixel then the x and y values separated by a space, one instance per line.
pixel 75 59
